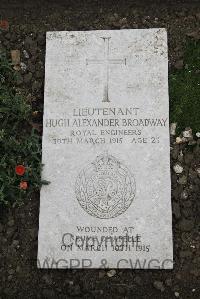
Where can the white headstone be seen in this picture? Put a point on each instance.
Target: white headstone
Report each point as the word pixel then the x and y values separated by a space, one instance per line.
pixel 106 151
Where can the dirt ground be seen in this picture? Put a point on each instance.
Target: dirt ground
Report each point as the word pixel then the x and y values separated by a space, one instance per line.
pixel 28 22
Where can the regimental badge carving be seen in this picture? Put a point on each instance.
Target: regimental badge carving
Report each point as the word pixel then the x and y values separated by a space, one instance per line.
pixel 105 188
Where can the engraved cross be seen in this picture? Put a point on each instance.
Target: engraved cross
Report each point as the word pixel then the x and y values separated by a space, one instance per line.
pixel 106 62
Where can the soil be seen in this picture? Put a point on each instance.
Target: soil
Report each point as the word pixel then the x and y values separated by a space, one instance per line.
pixel 20 277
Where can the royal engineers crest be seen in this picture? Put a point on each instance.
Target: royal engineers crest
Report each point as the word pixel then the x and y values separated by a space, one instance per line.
pixel 105 188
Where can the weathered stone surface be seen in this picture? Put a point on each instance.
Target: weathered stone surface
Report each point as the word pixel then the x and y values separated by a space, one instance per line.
pixel 105 125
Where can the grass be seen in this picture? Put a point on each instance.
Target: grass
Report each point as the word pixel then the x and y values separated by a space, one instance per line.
pixel 19 143
pixel 184 90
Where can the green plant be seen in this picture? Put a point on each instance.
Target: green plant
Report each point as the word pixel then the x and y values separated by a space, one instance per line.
pixel 185 90
pixel 19 143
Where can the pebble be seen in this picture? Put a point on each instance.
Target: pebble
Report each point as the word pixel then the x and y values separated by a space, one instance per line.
pixel 198 170
pixel 26 55
pixel 176 294
pixel 178 168
pixel 179 140
pixel 182 180
pixel 111 273
pixel 23 66
pixel 184 194
pixel 198 134
pixel 187 133
pixel 159 285
pixel 173 129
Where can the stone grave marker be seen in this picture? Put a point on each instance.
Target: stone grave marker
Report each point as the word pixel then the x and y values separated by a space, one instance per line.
pixel 106 151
